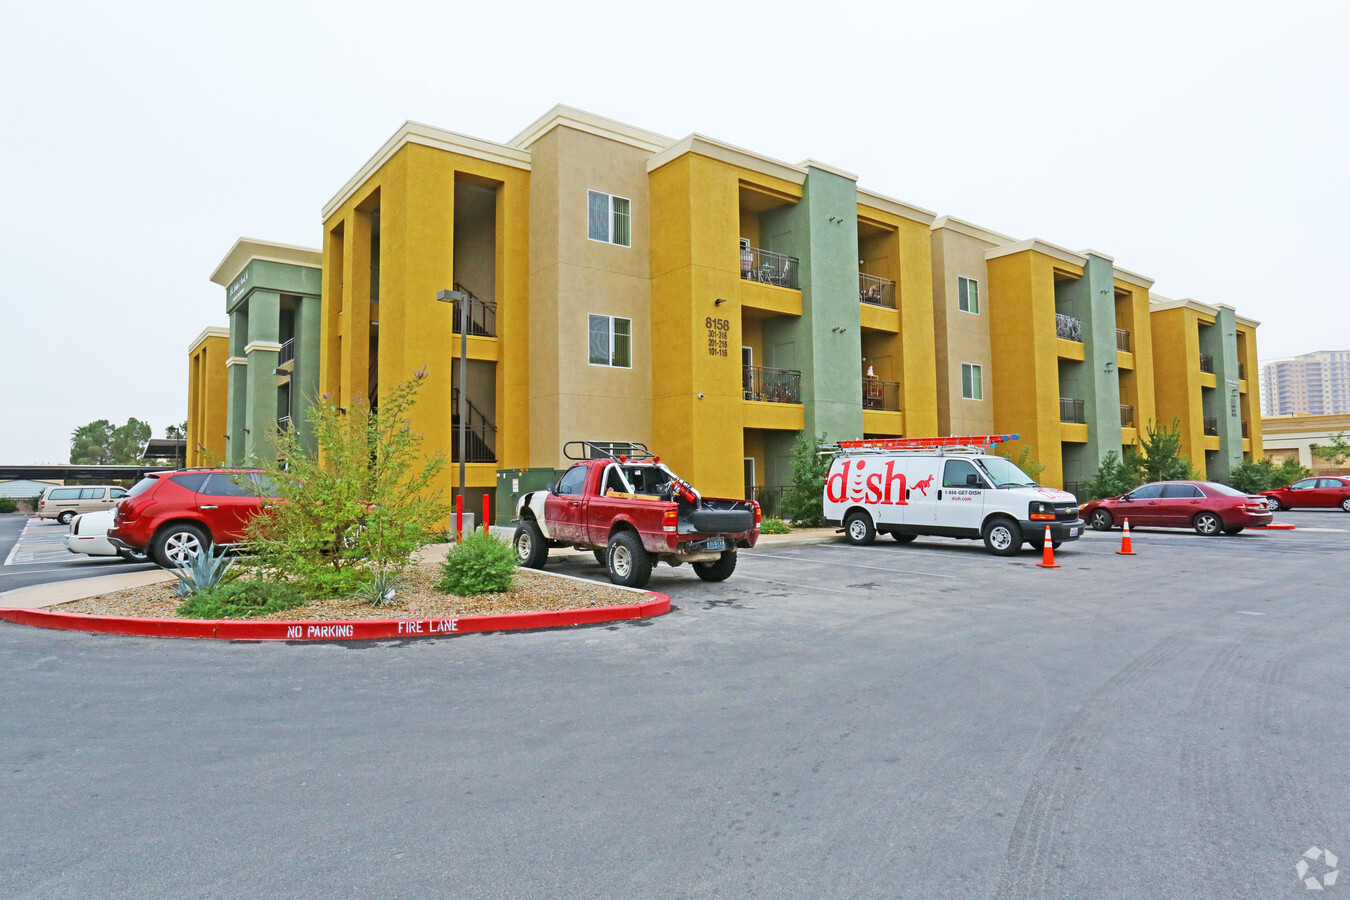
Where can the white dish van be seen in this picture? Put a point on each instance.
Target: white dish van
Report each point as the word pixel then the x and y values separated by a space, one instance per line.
pixel 952 487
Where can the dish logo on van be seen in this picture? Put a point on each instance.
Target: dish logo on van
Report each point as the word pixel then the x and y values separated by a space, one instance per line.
pixel 866 487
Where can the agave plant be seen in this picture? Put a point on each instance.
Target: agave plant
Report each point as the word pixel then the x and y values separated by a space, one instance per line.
pixel 380 590
pixel 202 573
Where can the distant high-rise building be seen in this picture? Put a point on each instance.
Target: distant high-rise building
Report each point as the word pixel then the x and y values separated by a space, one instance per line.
pixel 1313 384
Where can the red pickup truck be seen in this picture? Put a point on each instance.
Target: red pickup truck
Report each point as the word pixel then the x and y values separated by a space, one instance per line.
pixel 632 512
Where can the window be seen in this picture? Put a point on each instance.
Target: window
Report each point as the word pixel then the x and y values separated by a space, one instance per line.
pixel 972 382
pixel 573 482
pixel 611 341
pixel 1304 485
pixel 64 494
pixel 968 294
pixel 1181 492
pixel 118 493
pixel 959 473
pixel 230 484
pixel 1147 492
pixel 607 218
pixel 192 482
pixel 1330 483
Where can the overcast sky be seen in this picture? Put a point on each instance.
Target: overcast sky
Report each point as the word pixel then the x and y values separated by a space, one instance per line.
pixel 1202 145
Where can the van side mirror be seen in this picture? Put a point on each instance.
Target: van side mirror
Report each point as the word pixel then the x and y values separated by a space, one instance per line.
pixel 972 480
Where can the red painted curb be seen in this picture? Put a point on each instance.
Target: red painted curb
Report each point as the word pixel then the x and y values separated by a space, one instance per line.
pixel 1274 526
pixel 361 630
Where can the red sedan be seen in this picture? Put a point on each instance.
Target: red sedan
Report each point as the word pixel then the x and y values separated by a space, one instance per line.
pixel 1207 507
pixel 1322 492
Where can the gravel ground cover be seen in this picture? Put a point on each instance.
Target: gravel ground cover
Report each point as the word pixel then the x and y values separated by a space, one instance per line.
pixel 416 598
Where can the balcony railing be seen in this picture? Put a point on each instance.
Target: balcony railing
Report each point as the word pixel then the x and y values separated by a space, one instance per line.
pixel 1126 415
pixel 1068 327
pixel 1212 426
pixel 287 353
pixel 876 290
pixel 1242 371
pixel 1123 341
pixel 1071 411
pixel 1206 363
pixel 880 394
pixel 283 423
pixel 481 440
pixel 771 385
pixel 768 267
pixel 480 314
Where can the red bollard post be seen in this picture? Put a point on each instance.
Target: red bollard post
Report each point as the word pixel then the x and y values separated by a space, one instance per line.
pixel 459 518
pixel 486 528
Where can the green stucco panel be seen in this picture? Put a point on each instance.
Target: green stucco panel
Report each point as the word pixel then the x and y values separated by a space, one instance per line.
pixel 826 343
pixel 1096 381
pixel 1227 402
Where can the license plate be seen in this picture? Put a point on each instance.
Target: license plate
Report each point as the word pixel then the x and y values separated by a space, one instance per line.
pixel 716 544
pixel 1073 532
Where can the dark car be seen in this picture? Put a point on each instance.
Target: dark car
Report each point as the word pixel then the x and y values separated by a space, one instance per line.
pixel 173 516
pixel 1206 506
pixel 1322 492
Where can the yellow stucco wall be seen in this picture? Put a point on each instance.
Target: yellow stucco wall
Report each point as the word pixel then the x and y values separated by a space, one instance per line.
pixel 415 192
pixel 208 400
pixel 1253 446
pixel 1025 355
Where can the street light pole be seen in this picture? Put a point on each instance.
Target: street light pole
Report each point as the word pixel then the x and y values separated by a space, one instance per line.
pixel 459 300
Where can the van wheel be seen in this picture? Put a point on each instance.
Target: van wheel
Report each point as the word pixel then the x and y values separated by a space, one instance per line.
pixel 858 528
pixel 65 517
pixel 903 537
pixel 717 571
pixel 629 563
pixel 531 549
pixel 178 545
pixel 1003 537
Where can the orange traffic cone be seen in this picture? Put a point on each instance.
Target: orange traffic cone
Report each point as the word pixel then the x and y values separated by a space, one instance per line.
pixel 1125 543
pixel 1048 553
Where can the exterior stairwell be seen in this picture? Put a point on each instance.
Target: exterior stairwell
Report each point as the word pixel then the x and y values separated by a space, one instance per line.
pixel 481 436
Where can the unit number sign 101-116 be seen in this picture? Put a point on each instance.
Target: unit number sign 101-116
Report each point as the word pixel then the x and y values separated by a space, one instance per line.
pixel 717 335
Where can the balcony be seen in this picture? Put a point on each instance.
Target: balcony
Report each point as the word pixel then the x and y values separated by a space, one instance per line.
pixel 1246 431
pixel 766 385
pixel 1123 341
pixel 1126 415
pixel 287 354
pixel 1242 371
pixel 284 423
pixel 880 394
pixel 1211 426
pixel 768 267
pixel 876 291
pixel 1068 327
pixel 1207 363
pixel 1072 411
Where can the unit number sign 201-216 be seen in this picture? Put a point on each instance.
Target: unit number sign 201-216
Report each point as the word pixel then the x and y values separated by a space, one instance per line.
pixel 717 335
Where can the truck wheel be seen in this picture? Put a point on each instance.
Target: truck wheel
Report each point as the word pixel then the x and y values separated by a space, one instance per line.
pixel 717 571
pixel 600 556
pixel 531 549
pixel 628 561
pixel 858 528
pixel 1003 537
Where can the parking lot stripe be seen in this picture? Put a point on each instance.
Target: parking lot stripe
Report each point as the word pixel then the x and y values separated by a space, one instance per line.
pixel 860 566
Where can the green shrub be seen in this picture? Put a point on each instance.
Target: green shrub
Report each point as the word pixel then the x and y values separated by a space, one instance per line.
pixel 7 505
pixel 242 600
pixel 379 591
pixel 1114 477
pixel 479 564
pixel 804 501
pixel 774 526
pixel 1264 475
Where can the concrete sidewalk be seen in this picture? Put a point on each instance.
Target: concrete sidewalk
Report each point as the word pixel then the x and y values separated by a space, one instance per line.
pixel 41 596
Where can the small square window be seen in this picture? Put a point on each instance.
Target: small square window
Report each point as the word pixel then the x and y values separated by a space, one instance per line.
pixel 968 295
pixel 610 341
pixel 972 382
pixel 608 218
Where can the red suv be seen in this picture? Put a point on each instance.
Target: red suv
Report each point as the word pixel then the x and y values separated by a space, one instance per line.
pixel 1207 507
pixel 173 516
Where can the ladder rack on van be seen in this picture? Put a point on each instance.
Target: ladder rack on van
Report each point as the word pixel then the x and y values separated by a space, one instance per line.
pixel 968 443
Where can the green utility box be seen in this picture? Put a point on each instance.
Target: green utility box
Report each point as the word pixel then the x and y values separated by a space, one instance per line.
pixel 512 483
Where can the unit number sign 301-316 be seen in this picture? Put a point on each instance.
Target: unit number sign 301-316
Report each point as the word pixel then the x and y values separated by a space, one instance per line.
pixel 717 335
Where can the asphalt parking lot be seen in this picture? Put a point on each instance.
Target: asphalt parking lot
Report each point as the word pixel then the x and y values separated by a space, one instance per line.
pixel 918 720
pixel 32 552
